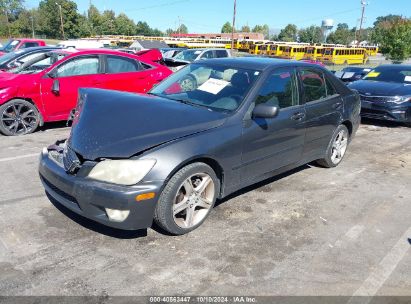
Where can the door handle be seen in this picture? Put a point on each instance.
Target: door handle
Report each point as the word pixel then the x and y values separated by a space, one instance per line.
pixel 337 105
pixel 298 116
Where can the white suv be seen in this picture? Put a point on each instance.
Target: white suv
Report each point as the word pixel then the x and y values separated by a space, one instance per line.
pixel 187 56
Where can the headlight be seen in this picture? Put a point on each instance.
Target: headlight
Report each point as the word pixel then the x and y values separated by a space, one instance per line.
pixel 402 99
pixel 122 172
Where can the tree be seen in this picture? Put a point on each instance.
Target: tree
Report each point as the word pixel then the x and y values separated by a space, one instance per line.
pixel 124 25
pixel 263 29
pixel 169 32
pixel 312 34
pixel 182 29
pixel 49 15
pixel 289 33
pixel 394 35
pixel 227 28
pixel 245 29
pixel 389 18
pixel 95 20
pixel 11 9
pixel 342 35
pixel 108 26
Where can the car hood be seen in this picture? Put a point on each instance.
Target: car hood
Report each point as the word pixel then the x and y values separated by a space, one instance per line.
pixel 110 124
pixel 381 88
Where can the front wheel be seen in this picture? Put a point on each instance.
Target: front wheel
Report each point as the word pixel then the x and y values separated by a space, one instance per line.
pixel 18 117
pixel 336 148
pixel 187 199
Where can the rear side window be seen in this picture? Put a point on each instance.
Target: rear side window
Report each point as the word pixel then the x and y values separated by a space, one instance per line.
pixel 208 54
pixel 279 89
pixel 79 66
pixel 330 87
pixel 221 53
pixel 29 44
pixel 314 84
pixel 117 64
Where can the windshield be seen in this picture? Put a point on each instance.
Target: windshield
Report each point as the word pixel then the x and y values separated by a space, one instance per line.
pixel 38 64
pixel 10 46
pixel 10 56
pixel 216 87
pixel 399 74
pixel 188 55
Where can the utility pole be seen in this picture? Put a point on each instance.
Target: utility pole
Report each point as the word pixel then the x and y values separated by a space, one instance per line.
pixel 32 25
pixel 61 20
pixel 232 31
pixel 363 5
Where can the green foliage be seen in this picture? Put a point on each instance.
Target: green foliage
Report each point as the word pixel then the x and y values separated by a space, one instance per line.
pixel 289 33
pixel 245 29
pixel 394 36
pixel 312 34
pixel 263 29
pixel 227 28
pixel 342 35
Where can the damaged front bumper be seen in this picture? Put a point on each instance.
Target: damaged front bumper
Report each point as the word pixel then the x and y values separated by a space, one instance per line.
pixel 91 199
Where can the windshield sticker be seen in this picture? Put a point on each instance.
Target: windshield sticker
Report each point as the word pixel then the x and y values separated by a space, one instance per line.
pixel 373 74
pixel 339 74
pixel 14 42
pixel 197 52
pixel 213 86
pixel 256 73
pixel 407 78
pixel 348 75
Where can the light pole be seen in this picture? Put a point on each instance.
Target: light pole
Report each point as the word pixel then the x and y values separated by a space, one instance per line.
pixel 232 31
pixel 32 25
pixel 61 20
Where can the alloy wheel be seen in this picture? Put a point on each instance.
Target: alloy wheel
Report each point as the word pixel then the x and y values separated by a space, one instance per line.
pixel 194 200
pixel 19 118
pixel 339 147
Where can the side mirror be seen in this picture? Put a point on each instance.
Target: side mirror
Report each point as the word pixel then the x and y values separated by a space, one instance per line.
pixel 55 87
pixel 264 111
pixel 52 74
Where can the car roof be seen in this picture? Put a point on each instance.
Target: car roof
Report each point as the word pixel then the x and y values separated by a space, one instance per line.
pixel 256 63
pixel 36 48
pixel 88 51
pixel 395 66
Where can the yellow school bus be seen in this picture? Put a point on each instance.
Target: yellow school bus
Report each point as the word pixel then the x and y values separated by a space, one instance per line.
pixel 254 48
pixel 276 50
pixel 371 50
pixel 313 52
pixel 345 55
pixel 294 52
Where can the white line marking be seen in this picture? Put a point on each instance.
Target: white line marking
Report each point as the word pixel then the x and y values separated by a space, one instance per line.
pixel 383 271
pixel 19 157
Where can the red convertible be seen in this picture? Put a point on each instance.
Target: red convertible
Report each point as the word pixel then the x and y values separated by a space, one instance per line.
pixel 45 88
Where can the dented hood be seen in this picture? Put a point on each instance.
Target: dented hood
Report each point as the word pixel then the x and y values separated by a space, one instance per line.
pixel 112 124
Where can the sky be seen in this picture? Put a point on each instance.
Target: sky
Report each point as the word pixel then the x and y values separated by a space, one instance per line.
pixel 202 16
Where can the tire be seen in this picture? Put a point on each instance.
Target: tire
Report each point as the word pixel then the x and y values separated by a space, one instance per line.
pixel 407 124
pixel 332 157
pixel 18 117
pixel 182 207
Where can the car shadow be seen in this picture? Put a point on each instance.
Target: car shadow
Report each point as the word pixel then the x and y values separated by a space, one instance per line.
pixel 97 227
pixel 381 123
pixel 263 183
pixel 52 125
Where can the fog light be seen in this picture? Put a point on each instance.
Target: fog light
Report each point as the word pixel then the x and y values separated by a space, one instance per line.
pixel 117 215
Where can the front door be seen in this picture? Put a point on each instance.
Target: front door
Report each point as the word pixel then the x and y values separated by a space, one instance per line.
pixel 269 144
pixel 75 73
pixel 323 107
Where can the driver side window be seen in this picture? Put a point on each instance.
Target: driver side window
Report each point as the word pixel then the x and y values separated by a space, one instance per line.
pixel 279 89
pixel 79 66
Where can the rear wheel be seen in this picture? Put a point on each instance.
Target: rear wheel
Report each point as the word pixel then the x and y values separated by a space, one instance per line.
pixel 187 199
pixel 336 148
pixel 18 117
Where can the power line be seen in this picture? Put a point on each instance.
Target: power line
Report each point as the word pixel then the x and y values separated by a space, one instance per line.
pixel 158 5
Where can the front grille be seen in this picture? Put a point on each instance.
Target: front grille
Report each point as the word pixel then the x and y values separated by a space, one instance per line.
pixel 378 98
pixel 59 192
pixel 70 160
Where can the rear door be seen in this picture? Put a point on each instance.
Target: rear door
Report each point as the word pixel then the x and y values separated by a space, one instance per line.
pixel 126 74
pixel 72 74
pixel 272 143
pixel 323 108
